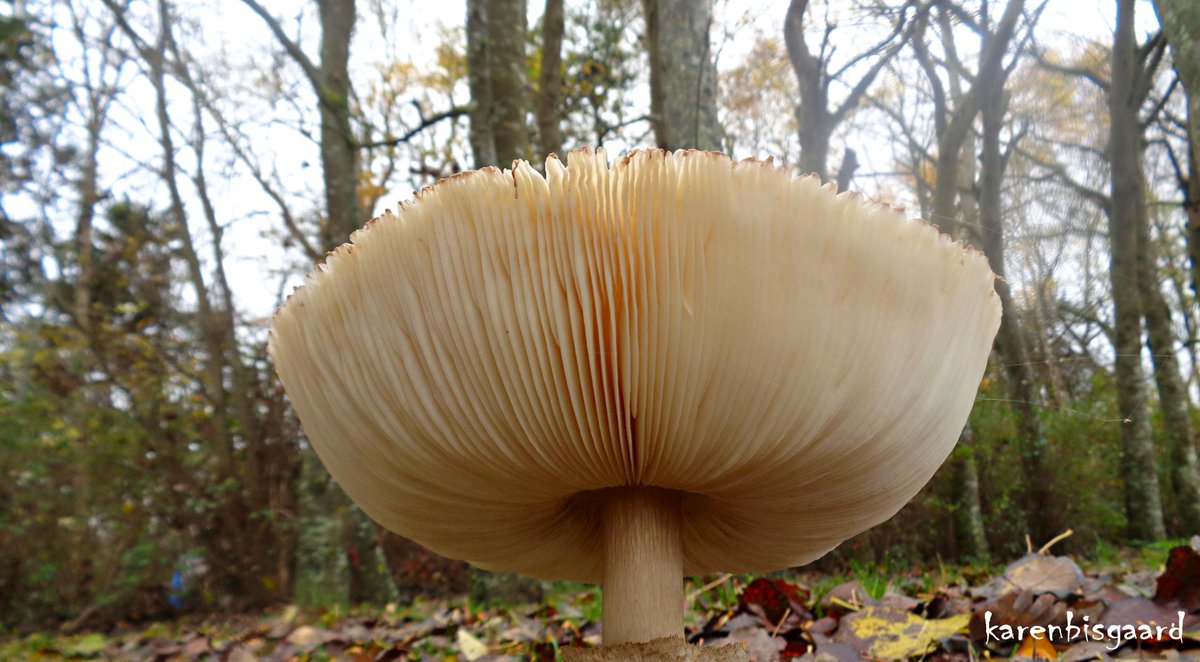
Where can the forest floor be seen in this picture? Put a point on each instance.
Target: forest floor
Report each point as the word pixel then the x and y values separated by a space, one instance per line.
pixel 1138 604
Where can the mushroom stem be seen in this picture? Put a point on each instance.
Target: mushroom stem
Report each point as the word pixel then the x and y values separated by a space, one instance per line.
pixel 643 565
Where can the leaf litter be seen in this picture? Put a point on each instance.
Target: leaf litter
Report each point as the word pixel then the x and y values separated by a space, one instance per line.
pixel 775 619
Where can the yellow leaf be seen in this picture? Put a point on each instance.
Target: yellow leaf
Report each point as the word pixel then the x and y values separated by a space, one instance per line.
pixel 894 634
pixel 1036 648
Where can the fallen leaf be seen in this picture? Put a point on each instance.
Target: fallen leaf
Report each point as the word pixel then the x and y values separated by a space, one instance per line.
pixel 774 600
pixel 1139 612
pixel 1036 648
pixel 306 637
pixel 943 605
pixel 822 630
pixel 471 647
pixel 196 647
pixel 890 633
pixel 1016 609
pixel 835 652
pixel 1179 584
pixel 240 654
pixel 87 646
pixel 758 642
pixel 849 593
pixel 1040 573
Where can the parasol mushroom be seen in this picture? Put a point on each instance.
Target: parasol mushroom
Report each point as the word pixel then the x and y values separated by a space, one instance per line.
pixel 671 366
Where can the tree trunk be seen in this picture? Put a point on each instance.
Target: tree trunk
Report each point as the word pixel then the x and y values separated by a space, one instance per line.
pixel 510 89
pixel 330 81
pixel 814 122
pixel 341 168
pixel 1143 506
pixel 1024 394
pixel 846 172
pixel 968 522
pixel 550 82
pixel 969 530
pixel 496 75
pixel 1041 314
pixel 339 153
pixel 950 141
pixel 479 81
pixel 1180 21
pixel 1172 392
pixel 683 79
pixel 951 173
pixel 89 195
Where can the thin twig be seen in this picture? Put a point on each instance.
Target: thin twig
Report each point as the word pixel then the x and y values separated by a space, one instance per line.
pixel 1056 539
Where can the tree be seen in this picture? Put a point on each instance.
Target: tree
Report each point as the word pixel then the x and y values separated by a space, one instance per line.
pixel 1128 89
pixel 550 82
pixel 816 118
pixel 603 60
pixel 497 73
pixel 330 81
pixel 1180 21
pixel 256 454
pixel 1011 341
pixel 759 97
pixel 954 119
pixel 683 79
pixel 954 124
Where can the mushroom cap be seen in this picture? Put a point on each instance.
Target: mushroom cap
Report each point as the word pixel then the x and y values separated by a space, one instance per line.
pixel 475 369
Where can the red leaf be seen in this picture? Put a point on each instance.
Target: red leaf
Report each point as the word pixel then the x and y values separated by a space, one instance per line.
pixel 1180 582
pixel 773 599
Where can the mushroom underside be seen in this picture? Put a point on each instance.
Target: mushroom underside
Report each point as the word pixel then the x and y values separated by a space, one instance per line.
pixel 482 371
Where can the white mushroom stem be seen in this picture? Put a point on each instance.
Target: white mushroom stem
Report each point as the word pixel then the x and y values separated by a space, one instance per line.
pixel 643 565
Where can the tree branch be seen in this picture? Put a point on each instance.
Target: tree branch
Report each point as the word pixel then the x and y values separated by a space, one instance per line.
pixel 425 123
pixel 1076 72
pixel 293 49
pixel 1060 173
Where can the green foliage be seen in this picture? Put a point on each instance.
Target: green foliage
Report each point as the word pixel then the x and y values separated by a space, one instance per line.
pixel 874 579
pixel 601 58
pixel 112 450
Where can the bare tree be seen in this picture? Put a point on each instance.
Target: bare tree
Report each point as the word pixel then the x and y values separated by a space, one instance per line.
pixel 95 98
pixel 241 435
pixel 954 119
pixel 330 81
pixel 1041 501
pixel 954 124
pixel 816 118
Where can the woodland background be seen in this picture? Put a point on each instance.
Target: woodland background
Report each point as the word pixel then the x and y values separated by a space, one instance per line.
pixel 168 170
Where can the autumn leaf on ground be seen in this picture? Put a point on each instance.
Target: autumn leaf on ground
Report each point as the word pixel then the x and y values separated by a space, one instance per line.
pixel 1146 616
pixel 1036 648
pixel 1012 611
pixel 775 601
pixel 1179 584
pixel 883 632
pixel 1040 573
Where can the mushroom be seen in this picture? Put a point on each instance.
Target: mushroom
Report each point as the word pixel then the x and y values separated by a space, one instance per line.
pixel 671 366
